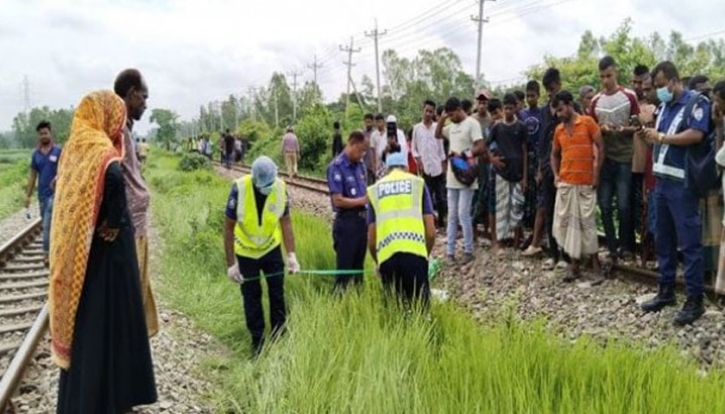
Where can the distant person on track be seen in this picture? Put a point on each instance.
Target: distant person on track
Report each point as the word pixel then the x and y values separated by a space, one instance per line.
pixel 257 223
pixel 131 87
pixel 237 149
pixel 143 151
pixel 228 149
pixel 576 168
pixel 401 232
pixel 466 140
pixel 44 169
pixel 679 225
pixel 347 180
pixel 337 144
pixel 431 158
pixel 291 150
pixel 369 160
pixel 98 331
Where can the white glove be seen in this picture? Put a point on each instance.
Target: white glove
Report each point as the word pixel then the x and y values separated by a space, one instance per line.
pixel 292 263
pixel 234 274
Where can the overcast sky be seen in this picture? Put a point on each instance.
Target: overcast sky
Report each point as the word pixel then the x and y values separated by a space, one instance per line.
pixel 194 51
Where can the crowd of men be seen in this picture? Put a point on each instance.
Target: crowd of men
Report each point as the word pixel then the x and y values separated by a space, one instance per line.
pixel 646 153
pixel 231 147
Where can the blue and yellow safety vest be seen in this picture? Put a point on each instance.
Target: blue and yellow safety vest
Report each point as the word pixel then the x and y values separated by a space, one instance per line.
pixel 251 239
pixel 397 200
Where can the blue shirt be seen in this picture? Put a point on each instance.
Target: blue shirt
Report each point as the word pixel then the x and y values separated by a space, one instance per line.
pixel 346 178
pixel 669 121
pixel 427 206
pixel 532 120
pixel 46 165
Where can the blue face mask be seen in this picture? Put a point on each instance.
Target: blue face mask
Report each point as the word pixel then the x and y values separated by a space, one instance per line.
pixel 664 95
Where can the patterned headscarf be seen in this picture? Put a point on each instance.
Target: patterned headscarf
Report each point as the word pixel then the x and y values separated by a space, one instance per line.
pixel 95 141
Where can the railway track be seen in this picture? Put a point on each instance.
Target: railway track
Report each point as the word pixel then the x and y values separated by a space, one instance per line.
pixel 316 185
pixel 23 309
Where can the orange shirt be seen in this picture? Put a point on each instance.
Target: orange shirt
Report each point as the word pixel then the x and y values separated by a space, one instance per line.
pixel 577 150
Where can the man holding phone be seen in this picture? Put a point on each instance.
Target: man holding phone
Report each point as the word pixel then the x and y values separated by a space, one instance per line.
pixel 612 109
pixel 396 141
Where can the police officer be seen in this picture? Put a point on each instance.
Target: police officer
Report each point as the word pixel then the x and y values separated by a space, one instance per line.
pixel 347 182
pixel 401 230
pixel 258 220
pixel 678 215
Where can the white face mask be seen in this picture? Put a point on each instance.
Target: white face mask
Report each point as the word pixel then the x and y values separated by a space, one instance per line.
pixel 266 190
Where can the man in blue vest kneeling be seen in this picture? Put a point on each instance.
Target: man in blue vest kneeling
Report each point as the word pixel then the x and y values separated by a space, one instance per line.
pixel 401 231
pixel 257 221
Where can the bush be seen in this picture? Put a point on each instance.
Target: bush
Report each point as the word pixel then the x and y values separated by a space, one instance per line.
pixel 193 162
pixel 315 135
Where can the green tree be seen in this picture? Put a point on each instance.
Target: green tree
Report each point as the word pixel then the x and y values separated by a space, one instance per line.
pixel 167 126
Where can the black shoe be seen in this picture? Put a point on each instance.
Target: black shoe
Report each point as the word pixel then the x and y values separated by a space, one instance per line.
pixel 691 311
pixel 665 297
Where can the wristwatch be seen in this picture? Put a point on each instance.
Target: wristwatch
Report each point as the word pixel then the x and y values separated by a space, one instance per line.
pixel 661 137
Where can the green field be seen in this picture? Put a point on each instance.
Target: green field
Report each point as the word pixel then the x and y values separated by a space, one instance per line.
pixel 354 355
pixel 14 166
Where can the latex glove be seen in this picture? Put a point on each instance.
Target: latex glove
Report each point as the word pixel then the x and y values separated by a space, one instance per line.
pixel 234 274
pixel 292 263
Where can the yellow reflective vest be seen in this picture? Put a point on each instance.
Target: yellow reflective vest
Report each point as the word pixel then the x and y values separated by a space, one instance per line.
pixel 251 239
pixel 397 200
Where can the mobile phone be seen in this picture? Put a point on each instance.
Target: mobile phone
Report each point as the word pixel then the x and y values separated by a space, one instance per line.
pixel 392 129
pixel 635 122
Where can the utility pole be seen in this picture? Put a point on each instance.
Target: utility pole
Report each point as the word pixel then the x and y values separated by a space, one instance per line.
pixel 294 74
pixel 480 20
pixel 276 110
pixel 350 50
pixel 314 66
pixel 26 93
pixel 253 99
pixel 375 34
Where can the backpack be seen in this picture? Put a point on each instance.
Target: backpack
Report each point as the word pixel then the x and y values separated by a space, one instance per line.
pixel 701 173
pixel 465 172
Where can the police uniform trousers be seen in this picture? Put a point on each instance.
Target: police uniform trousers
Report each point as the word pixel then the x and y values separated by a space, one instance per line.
pixel 349 236
pixel 407 275
pixel 678 215
pixel 272 266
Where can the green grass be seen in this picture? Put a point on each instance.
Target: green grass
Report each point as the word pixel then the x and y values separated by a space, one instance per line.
pixel 354 355
pixel 14 166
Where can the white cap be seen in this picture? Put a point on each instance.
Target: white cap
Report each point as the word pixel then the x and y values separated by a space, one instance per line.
pixel 391 119
pixel 264 172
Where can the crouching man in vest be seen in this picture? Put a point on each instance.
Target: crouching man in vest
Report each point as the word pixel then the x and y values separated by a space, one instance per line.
pixel 258 220
pixel 401 231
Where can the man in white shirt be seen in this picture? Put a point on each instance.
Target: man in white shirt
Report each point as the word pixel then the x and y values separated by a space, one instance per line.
pixel 378 142
pixel 431 159
pixel 394 141
pixel 466 139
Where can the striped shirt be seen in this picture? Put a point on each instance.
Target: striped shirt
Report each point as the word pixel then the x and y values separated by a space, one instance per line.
pixel 577 150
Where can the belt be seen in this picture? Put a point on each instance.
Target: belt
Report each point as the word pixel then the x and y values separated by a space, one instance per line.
pixel 350 214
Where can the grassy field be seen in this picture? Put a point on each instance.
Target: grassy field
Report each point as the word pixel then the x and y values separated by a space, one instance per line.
pixel 354 355
pixel 14 166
